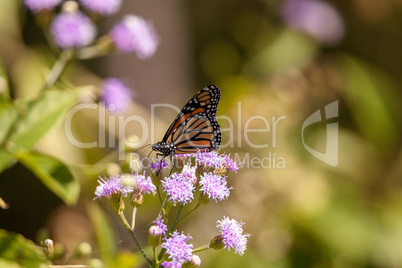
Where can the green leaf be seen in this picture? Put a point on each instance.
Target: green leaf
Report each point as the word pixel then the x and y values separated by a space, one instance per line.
pixel 104 234
pixel 8 116
pixel 4 87
pixel 6 159
pixel 41 115
pixel 17 251
pixel 53 174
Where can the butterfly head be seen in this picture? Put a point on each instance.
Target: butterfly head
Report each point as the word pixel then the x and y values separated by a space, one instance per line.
pixel 164 148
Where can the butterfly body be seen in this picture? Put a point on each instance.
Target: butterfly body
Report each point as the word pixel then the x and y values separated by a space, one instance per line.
pixel 195 127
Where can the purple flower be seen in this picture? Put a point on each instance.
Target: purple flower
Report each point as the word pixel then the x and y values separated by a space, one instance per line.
pixel 160 225
pixel 213 159
pixel 232 234
pixel 109 186
pixel 135 34
pixel 116 95
pixel 158 165
pixel 178 189
pixel 171 264
pixel 316 18
pixel 103 7
pixel 38 5
pixel 177 248
pixel 72 30
pixel 188 173
pixel 214 186
pixel 143 185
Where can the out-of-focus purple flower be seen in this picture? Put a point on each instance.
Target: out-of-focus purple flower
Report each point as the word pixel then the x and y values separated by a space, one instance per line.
pixel 188 173
pixel 103 7
pixel 178 189
pixel 72 29
pixel 231 232
pixel 109 186
pixel 159 222
pixel 38 5
pixel 171 264
pixel 214 186
pixel 318 19
pixel 177 248
pixel 158 165
pixel 116 95
pixel 134 34
pixel 143 184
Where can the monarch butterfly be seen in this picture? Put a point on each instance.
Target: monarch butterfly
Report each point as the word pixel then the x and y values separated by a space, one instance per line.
pixel 195 127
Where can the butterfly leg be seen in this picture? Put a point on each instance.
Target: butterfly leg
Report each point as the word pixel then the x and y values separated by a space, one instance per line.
pixel 171 160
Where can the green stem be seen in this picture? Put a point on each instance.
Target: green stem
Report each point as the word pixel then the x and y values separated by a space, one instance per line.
pixel 202 248
pixel 123 219
pixel 133 218
pixel 188 213
pixel 176 220
pixel 58 68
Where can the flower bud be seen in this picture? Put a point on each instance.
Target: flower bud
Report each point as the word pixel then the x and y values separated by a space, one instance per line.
pixel 48 248
pixel 221 170
pixel 84 249
pixel 217 242
pixel 194 263
pixel 137 198
pixel 154 236
pixel 95 263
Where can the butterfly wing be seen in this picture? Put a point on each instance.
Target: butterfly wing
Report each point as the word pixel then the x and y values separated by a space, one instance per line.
pixel 195 127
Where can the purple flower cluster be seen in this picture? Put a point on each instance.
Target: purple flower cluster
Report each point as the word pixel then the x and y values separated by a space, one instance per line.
pixel 214 186
pixel 188 173
pixel 134 34
pixel 109 186
pixel 116 95
pixel 177 248
pixel 39 5
pixel 178 189
pixel 72 29
pixel 232 234
pixel 144 184
pixel 158 165
pixel 316 18
pixel 159 223
pixel 213 159
pixel 103 7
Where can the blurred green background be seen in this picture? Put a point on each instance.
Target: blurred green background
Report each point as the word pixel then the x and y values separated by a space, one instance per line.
pixel 303 214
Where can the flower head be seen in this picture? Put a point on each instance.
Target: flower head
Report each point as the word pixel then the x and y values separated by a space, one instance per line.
pixel 116 94
pixel 214 186
pixel 316 18
pixel 214 160
pixel 159 222
pixel 38 5
pixel 158 165
pixel 177 248
pixel 143 184
pixel 72 29
pixel 135 34
pixel 188 173
pixel 103 7
pixel 156 232
pixel 232 235
pixel 179 189
pixel 109 186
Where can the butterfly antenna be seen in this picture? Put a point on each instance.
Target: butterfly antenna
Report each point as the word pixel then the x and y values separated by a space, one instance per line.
pixel 147 146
